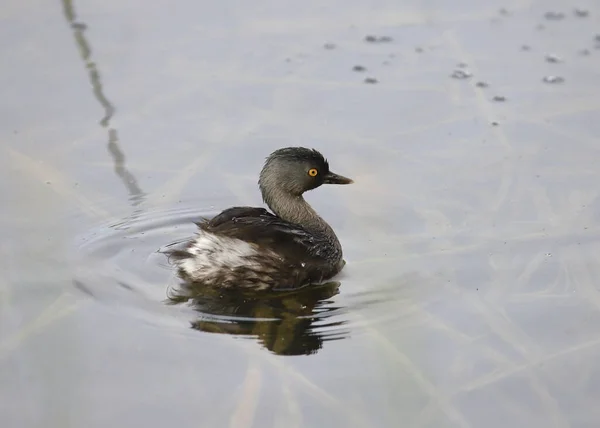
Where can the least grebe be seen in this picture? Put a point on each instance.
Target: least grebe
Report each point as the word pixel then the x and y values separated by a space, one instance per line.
pixel 251 248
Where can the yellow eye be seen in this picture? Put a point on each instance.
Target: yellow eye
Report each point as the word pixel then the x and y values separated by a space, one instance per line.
pixel 313 172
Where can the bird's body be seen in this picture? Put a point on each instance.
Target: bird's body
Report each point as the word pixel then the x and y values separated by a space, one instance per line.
pixel 251 248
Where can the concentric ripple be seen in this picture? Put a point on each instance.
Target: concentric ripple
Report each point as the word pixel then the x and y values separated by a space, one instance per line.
pixel 124 265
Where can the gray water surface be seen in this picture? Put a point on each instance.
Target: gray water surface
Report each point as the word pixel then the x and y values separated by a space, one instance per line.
pixel 470 297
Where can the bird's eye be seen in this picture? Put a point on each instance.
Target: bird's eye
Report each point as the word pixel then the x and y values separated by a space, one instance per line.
pixel 313 172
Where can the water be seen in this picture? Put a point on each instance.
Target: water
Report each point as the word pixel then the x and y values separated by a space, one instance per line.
pixel 471 232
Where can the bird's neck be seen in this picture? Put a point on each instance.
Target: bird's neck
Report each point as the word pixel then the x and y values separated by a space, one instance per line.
pixel 295 209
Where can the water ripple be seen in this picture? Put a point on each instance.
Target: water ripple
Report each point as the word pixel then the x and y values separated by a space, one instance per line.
pixel 123 264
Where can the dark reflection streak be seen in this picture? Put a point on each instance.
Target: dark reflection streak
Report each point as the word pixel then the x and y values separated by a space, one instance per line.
pixel 86 53
pixel 128 179
pixel 137 195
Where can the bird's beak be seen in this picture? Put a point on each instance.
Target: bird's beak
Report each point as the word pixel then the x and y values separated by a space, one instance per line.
pixel 333 178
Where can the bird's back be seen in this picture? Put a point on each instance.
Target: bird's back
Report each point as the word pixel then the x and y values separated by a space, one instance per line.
pixel 248 247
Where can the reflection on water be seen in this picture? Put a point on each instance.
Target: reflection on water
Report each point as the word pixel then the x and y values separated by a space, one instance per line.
pixel 290 323
pixel 129 180
pixel 86 54
pixel 85 50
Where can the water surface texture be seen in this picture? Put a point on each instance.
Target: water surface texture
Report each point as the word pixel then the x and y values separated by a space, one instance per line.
pixel 470 297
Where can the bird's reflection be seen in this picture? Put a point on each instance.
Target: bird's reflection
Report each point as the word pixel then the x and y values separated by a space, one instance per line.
pixel 290 323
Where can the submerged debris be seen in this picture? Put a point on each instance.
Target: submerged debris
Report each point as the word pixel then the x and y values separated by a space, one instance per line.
pixel 585 52
pixel 551 58
pixel 359 68
pixel 371 80
pixel 482 84
pixel 329 46
pixel 499 98
pixel 554 16
pixel 581 13
pixel 377 39
pixel 461 74
pixel 553 79
pixel 525 47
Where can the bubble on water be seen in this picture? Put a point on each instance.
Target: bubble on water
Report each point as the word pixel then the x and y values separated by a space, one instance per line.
pixel 581 13
pixel 482 84
pixel 494 123
pixel 554 59
pixel 499 98
pixel 554 16
pixel 371 80
pixel 461 74
pixel 553 79
pixel 359 68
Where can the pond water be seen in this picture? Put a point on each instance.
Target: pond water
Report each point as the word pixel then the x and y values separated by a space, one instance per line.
pixel 470 297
